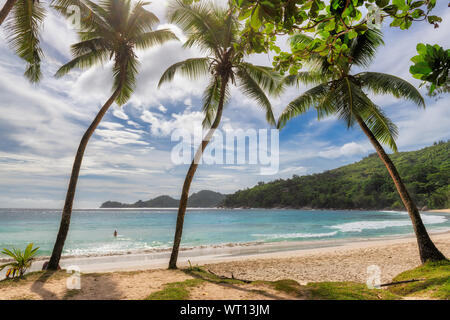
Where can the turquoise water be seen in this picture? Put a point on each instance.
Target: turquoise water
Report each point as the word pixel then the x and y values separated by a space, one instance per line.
pixel 91 231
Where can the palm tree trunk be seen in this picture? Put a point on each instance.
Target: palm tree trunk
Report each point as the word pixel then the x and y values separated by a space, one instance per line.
pixel 427 249
pixel 6 9
pixel 190 176
pixel 67 211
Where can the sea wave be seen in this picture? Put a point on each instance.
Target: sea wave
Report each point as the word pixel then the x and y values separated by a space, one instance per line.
pixel 395 211
pixel 359 226
pixel 114 248
pixel 294 235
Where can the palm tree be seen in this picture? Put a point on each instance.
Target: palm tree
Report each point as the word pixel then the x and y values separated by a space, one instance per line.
pixel 23 18
pixel 215 31
pixel 7 7
pixel 112 30
pixel 345 95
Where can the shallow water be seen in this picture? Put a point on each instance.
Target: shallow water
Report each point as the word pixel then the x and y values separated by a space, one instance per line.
pixel 91 231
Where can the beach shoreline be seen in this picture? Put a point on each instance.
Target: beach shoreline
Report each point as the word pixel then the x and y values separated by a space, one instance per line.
pixel 252 246
pixel 137 276
pixel 440 210
pixel 236 254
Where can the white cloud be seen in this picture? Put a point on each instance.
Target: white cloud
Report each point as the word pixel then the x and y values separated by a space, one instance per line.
pixel 159 126
pixel 347 150
pixel 120 136
pixel 119 113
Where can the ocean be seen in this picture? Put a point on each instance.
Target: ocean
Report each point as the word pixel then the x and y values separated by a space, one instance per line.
pixel 91 231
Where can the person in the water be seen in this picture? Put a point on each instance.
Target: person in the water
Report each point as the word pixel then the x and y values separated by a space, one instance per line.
pixel 115 233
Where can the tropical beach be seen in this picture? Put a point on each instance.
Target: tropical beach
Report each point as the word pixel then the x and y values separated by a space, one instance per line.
pixel 138 276
pixel 224 150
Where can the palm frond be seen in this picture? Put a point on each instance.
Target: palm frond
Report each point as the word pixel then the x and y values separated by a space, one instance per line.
pixel 211 99
pixel 364 46
pixel 152 38
pixel 304 77
pixel 23 26
pixel 196 20
pixel 192 68
pixel 251 88
pixel 91 14
pixel 87 46
pixel 84 61
pixel 141 20
pixel 124 73
pixel 267 78
pixel 311 98
pixel 382 83
pixel 381 126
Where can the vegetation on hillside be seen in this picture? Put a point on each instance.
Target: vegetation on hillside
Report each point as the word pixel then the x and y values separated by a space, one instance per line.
pixel 201 199
pixel 361 185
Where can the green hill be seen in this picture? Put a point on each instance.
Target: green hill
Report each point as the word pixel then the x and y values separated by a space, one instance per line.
pixel 201 199
pixel 362 185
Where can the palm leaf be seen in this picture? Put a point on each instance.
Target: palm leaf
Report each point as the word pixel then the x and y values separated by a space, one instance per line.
pixel 267 78
pixel 211 98
pixel 311 98
pixel 249 86
pixel 141 20
pixel 381 126
pixel 196 20
pixel 382 83
pixel 152 38
pixel 23 26
pixel 192 68
pixel 306 78
pixel 124 74
pixel 364 46
pixel 84 61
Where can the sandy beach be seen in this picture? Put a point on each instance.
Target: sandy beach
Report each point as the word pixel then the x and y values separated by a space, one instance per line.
pixel 440 210
pixel 137 276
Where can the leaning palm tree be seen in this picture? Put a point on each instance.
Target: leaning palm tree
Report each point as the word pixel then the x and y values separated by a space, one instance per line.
pixel 23 19
pixel 215 31
pixel 112 30
pixel 7 7
pixel 345 95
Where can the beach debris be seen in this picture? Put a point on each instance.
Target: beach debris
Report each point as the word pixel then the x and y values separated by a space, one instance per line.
pixel 232 277
pixel 400 282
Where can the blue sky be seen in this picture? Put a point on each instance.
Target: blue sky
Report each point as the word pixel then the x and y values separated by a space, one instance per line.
pixel 128 158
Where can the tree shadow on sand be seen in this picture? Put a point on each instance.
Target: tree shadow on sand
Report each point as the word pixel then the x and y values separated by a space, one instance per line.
pixel 92 287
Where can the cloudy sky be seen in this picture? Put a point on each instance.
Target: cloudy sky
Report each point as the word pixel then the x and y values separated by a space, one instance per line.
pixel 129 156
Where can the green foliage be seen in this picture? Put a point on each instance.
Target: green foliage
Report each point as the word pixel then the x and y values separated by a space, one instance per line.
pixel 113 30
pixel 435 284
pixel 215 31
pixel 201 199
pixel 330 290
pixel 333 24
pixel 431 65
pixel 347 291
pixel 22 260
pixel 22 26
pixel 175 290
pixel 363 185
pixel 345 95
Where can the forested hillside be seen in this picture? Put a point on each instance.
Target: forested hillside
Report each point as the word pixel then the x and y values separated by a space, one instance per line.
pixel 201 199
pixel 362 185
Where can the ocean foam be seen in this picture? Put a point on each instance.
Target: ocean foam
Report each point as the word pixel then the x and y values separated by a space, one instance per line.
pixel 295 235
pixel 359 226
